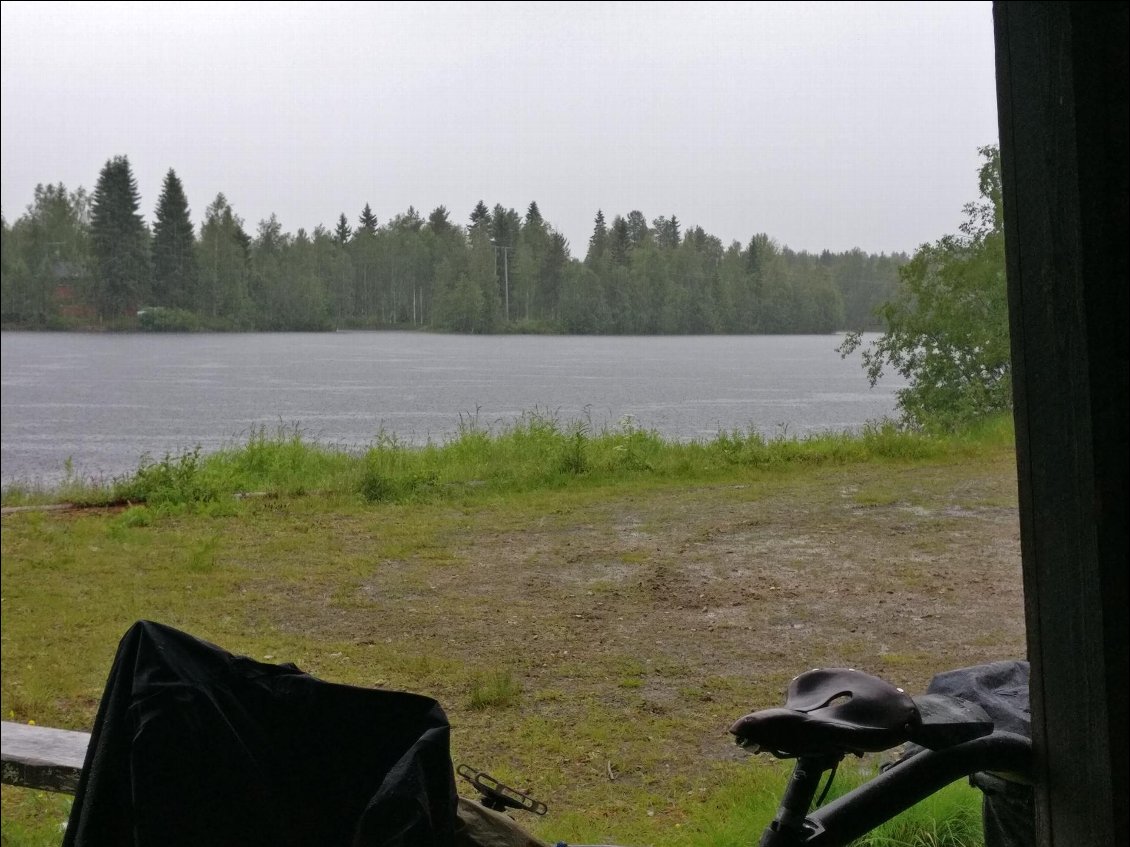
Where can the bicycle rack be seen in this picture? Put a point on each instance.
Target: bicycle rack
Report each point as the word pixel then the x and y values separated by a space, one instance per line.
pixel 497 796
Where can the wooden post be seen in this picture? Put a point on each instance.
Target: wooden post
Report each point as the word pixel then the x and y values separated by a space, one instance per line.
pixel 1062 104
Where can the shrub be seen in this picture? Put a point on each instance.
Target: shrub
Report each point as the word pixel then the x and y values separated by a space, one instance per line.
pixel 175 480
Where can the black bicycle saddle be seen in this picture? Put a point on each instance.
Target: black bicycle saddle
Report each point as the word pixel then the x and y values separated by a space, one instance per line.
pixel 831 712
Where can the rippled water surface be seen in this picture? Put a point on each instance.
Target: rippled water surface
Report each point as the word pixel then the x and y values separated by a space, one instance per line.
pixel 102 401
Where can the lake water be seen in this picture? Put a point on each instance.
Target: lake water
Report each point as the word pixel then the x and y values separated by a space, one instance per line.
pixel 103 400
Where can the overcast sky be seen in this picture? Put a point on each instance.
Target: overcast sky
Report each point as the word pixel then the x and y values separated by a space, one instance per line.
pixel 825 125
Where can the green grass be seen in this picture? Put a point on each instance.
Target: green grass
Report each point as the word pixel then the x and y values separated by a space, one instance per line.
pixel 494 690
pixel 725 818
pixel 731 814
pixel 538 452
pixel 42 820
pixel 547 585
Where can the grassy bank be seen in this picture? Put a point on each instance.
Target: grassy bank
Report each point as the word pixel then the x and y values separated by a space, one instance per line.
pixel 537 452
pixel 592 610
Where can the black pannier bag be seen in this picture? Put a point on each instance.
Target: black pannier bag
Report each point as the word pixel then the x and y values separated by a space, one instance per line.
pixel 1001 689
pixel 195 746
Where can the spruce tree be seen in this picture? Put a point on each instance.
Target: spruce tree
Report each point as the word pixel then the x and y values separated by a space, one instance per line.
pixel 480 214
pixel 367 221
pixel 637 228
pixel 504 225
pixel 667 234
pixel 599 238
pixel 342 231
pixel 438 220
pixel 119 241
pixel 619 241
pixel 533 214
pixel 175 274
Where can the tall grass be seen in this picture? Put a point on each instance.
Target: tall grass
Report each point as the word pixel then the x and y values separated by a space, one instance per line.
pixel 536 452
pixel 739 810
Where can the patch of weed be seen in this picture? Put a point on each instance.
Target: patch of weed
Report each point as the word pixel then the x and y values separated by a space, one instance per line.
pixel 493 690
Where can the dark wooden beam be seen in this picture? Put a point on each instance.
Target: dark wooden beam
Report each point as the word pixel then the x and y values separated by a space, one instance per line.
pixel 1062 104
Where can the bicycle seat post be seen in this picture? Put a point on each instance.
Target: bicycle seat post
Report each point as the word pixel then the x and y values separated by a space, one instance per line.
pixel 788 827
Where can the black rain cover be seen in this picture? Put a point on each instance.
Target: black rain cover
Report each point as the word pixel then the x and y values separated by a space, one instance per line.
pixel 195 746
pixel 1001 688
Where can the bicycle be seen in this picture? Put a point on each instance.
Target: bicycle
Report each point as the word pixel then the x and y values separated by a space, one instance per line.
pixel 832 713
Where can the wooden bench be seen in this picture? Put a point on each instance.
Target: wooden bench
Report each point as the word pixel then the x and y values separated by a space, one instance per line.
pixel 42 757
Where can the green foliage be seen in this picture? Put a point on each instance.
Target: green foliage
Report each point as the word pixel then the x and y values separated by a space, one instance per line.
pixel 135 516
pixel 175 273
pixel 222 254
pixel 342 231
pixel 744 803
pixel 173 481
pixel 573 458
pixel 285 289
pixel 535 452
pixel 949 818
pixel 45 259
pixel 159 319
pixel 119 241
pixel 379 485
pixel 282 462
pixel 583 309
pixel 947 327
pixel 367 222
pixel 630 448
pixel 480 215
pixel 883 441
pixel 63 268
pixel 47 812
pixel 493 690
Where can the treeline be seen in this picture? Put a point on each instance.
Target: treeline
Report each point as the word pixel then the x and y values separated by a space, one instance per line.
pixel 79 260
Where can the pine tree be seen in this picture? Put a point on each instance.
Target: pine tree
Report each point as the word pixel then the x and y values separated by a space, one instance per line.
pixel 175 274
pixel 342 231
pixel 367 221
pixel 119 241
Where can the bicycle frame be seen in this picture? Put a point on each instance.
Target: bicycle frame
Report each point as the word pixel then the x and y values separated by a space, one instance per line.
pixel 895 790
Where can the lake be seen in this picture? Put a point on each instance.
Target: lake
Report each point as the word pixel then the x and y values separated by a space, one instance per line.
pixel 101 401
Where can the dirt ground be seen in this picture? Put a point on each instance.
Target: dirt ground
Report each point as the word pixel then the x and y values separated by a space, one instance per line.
pixel 901 572
pixel 640 625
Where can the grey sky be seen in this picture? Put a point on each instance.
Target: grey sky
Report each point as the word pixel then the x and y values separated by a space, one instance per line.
pixel 825 125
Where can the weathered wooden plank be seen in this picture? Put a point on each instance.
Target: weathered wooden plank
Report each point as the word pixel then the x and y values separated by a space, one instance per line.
pixel 42 757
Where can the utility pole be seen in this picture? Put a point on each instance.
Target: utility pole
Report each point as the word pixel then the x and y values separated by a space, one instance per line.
pixel 505 272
